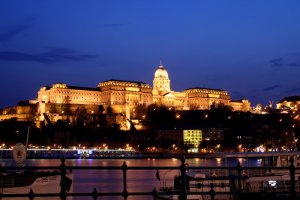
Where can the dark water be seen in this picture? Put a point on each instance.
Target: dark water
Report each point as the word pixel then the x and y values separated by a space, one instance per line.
pixel 137 180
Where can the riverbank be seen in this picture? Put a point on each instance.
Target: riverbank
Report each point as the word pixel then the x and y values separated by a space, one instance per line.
pixel 119 153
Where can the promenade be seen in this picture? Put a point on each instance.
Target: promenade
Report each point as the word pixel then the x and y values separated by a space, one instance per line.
pixel 93 153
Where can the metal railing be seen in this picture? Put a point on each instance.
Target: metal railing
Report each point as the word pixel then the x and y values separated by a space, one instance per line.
pixel 237 178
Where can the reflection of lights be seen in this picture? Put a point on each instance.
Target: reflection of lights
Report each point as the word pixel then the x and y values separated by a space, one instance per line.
pixel 219 161
pixel 241 160
pixel 193 150
pixel 260 148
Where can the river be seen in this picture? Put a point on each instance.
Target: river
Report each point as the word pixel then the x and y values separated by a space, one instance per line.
pixel 137 180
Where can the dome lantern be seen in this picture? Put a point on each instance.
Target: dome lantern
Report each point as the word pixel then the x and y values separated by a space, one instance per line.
pixel 161 72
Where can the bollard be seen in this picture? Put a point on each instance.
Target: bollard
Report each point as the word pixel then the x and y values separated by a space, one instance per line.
pixel 63 180
pixel 183 193
pixel 154 193
pixel 212 192
pixel 95 194
pixel 292 174
pixel 239 176
pixel 124 169
pixel 31 194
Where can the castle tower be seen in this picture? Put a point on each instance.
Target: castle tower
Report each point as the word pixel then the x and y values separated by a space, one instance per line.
pixel 161 81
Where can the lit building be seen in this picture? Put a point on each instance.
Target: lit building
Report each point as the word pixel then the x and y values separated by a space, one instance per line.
pixel 122 97
pixel 292 102
pixel 189 99
pixel 241 105
pixel 192 139
pixel 162 93
pixel 69 95
pixel 22 112
pixel 203 98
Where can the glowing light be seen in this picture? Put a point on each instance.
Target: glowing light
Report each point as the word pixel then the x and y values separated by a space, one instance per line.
pixel 272 183
pixel 219 161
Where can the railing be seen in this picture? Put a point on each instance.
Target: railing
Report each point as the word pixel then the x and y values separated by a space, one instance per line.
pixel 240 191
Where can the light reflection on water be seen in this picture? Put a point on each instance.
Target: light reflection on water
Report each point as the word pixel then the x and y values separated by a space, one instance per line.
pixel 137 180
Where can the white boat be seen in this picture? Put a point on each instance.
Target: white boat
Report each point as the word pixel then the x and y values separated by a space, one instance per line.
pixel 41 182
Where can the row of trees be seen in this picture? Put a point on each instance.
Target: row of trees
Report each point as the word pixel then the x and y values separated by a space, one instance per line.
pixel 272 129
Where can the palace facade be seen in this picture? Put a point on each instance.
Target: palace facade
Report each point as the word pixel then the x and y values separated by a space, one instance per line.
pixel 123 96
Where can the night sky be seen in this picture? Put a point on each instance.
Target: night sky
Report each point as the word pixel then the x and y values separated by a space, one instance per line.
pixel 249 48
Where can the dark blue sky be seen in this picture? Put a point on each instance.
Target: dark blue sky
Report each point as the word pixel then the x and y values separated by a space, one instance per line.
pixel 250 48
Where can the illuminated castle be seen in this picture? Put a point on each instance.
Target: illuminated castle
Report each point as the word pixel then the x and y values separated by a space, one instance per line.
pixel 122 97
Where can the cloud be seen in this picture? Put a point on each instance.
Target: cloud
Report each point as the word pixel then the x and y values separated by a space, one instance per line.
pixel 273 87
pixel 290 60
pixel 53 55
pixel 277 62
pixel 112 25
pixel 12 31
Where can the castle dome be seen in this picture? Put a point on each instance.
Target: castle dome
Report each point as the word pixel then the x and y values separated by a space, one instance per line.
pixel 161 72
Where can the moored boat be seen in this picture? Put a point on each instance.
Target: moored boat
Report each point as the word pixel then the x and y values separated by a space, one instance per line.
pixel 40 182
pixel 201 186
pixel 198 187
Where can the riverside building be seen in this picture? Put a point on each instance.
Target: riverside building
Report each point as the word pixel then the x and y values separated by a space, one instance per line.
pixel 122 97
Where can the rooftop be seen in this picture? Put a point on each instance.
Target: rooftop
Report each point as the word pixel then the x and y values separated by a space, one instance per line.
pixel 290 98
